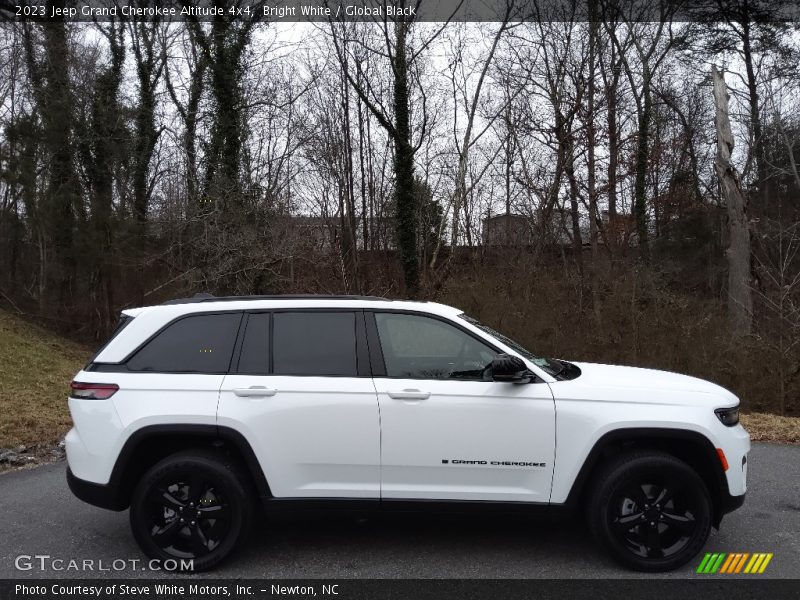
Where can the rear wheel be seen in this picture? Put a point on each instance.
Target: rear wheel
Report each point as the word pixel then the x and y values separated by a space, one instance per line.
pixel 650 510
pixel 192 508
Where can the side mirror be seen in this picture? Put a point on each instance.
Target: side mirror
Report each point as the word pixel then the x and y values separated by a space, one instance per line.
pixel 509 369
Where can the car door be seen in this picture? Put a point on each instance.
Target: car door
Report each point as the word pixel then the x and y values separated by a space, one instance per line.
pixel 302 395
pixel 447 431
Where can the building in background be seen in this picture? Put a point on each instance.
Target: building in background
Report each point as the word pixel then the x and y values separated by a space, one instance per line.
pixel 507 230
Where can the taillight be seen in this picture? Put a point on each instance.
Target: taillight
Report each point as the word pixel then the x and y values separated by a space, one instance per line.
pixel 92 391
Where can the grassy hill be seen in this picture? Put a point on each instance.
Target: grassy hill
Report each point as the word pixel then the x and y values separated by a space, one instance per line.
pixel 36 367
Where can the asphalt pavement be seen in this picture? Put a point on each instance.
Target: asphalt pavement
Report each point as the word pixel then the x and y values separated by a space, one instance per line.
pixel 42 518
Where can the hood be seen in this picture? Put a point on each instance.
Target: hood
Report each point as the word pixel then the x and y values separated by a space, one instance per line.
pixel 611 377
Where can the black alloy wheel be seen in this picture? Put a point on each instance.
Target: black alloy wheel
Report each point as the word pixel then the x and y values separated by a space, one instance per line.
pixel 650 510
pixel 192 508
pixel 189 516
pixel 655 519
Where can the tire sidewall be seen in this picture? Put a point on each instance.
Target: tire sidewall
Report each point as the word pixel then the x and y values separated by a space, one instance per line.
pixel 639 470
pixel 214 470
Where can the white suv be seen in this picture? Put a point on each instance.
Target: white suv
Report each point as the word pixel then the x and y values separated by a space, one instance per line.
pixel 200 409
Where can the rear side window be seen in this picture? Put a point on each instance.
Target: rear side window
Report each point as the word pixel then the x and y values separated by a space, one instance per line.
pixel 254 358
pixel 308 343
pixel 195 344
pixel 123 322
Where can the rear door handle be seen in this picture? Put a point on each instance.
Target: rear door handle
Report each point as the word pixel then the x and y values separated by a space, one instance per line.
pixel 255 391
pixel 409 395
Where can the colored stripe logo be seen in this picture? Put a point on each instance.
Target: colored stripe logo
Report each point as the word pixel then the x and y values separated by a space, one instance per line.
pixel 735 562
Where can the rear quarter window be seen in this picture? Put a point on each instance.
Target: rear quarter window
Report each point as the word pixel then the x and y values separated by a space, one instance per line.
pixel 193 344
pixel 124 321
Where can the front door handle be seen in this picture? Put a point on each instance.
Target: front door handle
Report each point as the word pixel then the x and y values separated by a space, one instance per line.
pixel 255 391
pixel 409 395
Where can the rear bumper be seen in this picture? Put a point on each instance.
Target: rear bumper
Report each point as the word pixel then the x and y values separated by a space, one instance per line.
pixel 97 494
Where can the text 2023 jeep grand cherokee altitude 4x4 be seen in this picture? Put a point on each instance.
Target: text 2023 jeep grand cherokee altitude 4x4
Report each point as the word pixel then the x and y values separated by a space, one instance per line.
pixel 198 410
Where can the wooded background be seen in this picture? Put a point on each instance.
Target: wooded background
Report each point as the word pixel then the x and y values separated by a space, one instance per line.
pixel 141 161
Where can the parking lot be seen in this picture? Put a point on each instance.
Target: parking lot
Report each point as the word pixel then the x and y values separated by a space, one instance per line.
pixel 41 517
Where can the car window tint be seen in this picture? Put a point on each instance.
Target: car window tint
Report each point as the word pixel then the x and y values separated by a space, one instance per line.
pixel 314 343
pixel 195 344
pixel 418 347
pixel 254 357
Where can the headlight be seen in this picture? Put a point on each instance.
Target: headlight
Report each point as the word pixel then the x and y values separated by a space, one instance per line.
pixel 728 416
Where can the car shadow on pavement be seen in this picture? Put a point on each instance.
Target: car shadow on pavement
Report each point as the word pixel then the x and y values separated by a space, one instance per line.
pixel 419 545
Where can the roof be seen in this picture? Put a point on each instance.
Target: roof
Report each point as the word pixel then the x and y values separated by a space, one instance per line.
pixel 504 216
pixel 206 297
pixel 151 318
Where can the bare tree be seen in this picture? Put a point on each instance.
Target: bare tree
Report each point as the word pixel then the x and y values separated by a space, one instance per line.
pixel 401 57
pixel 188 110
pixel 49 72
pixel 102 150
pixel 470 106
pixel 150 60
pixel 223 47
pixel 652 44
pixel 781 299
pixel 740 299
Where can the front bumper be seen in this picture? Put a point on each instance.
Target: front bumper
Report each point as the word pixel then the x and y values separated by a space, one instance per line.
pixel 726 504
pixel 735 442
pixel 731 503
pixel 736 447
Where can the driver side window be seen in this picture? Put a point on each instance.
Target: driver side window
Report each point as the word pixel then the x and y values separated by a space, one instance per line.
pixel 418 347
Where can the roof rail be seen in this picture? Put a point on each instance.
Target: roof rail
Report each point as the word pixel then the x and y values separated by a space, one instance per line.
pixel 206 297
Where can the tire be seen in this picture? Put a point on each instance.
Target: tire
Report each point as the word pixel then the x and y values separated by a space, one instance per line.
pixel 208 485
pixel 650 511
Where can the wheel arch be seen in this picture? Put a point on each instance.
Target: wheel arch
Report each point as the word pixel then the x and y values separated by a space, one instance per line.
pixel 150 444
pixel 692 447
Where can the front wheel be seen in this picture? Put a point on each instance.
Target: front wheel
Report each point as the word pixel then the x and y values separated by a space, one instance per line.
pixel 650 510
pixel 191 509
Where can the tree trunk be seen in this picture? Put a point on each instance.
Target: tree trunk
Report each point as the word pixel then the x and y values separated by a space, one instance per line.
pixel 351 225
pixel 755 114
pixel 591 141
pixel 642 154
pixel 740 300
pixel 365 234
pixel 102 156
pixel 224 48
pixel 144 145
pixel 50 81
pixel 577 242
pixel 149 65
pixel 613 142
pixel 405 202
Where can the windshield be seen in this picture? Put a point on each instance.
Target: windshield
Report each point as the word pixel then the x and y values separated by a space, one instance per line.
pixel 553 367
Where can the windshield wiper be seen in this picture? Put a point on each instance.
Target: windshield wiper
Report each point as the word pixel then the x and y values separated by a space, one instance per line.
pixel 562 366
